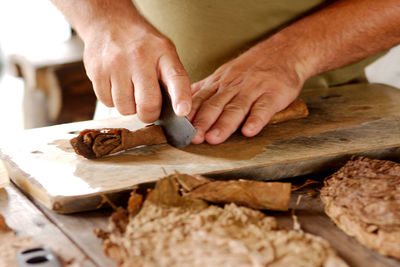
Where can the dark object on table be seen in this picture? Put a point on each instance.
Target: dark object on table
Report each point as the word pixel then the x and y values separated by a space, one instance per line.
pixel 39 256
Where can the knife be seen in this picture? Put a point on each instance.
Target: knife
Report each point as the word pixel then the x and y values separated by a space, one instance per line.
pixel 178 130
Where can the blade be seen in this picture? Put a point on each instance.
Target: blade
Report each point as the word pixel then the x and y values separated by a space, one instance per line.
pixel 178 130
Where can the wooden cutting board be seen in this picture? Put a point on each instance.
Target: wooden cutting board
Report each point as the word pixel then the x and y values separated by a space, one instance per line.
pixel 344 121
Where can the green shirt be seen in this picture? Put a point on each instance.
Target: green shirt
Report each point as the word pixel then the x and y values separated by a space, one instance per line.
pixel 208 33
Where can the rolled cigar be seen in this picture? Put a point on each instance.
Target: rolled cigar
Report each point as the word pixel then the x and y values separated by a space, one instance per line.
pixel 97 143
pixel 297 110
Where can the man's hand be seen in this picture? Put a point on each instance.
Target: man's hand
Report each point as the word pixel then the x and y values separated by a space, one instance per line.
pixel 269 76
pixel 249 89
pixel 125 58
pixel 125 66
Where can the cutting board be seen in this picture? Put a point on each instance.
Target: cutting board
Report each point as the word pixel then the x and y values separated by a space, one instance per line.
pixel 350 120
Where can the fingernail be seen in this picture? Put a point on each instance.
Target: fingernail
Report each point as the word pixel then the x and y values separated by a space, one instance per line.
pixel 183 109
pixel 251 127
pixel 199 137
pixel 214 132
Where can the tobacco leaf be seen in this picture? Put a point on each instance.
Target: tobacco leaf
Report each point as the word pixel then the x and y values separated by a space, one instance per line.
pixel 253 194
pixel 296 110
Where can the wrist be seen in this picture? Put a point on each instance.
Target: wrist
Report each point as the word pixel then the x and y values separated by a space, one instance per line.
pixel 109 20
pixel 279 52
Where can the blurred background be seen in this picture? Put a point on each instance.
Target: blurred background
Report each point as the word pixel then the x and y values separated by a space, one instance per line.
pixel 42 78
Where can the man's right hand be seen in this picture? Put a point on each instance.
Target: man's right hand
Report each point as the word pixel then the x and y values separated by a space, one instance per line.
pixel 125 58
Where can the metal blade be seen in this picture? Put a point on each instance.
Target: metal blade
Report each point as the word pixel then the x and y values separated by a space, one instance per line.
pixel 178 130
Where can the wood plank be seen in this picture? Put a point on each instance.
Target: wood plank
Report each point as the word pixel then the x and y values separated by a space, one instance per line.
pixel 79 227
pixel 312 218
pixel 24 218
pixel 355 119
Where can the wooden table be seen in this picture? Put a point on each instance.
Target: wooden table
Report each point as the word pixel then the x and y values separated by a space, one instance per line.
pixel 71 236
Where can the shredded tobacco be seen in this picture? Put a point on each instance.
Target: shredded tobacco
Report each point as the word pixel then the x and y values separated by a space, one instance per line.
pixel 173 229
pixel 363 199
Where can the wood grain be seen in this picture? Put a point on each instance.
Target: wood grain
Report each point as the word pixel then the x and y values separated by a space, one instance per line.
pixel 27 220
pixel 358 119
pixel 79 228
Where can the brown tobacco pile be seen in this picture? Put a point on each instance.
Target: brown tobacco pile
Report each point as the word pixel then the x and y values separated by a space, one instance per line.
pixel 171 229
pixel 363 199
pixel 102 142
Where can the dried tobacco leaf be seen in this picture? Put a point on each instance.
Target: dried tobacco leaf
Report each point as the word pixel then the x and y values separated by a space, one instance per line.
pixel 296 110
pixel 363 199
pixel 253 194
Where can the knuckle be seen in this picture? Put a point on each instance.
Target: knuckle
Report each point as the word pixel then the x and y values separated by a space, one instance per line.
pixel 103 95
pixel 96 77
pixel 114 59
pixel 94 70
pixel 210 104
pixel 256 119
pixel 126 109
pixel 105 100
pixel 149 107
pixel 176 71
pixel 236 108
pixel 138 52
pixel 200 122
pixel 231 82
pixel 166 44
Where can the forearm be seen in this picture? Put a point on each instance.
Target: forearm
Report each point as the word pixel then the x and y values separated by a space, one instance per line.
pixel 87 16
pixel 339 34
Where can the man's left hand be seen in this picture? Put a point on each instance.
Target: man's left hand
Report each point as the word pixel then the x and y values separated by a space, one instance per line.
pixel 249 89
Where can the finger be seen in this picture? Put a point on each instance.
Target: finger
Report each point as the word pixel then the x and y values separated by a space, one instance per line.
pixel 201 96
pixel 209 112
pixel 147 93
pixel 260 114
pixel 230 120
pixel 177 81
pixel 122 93
pixel 196 86
pixel 102 90
pixel 101 82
